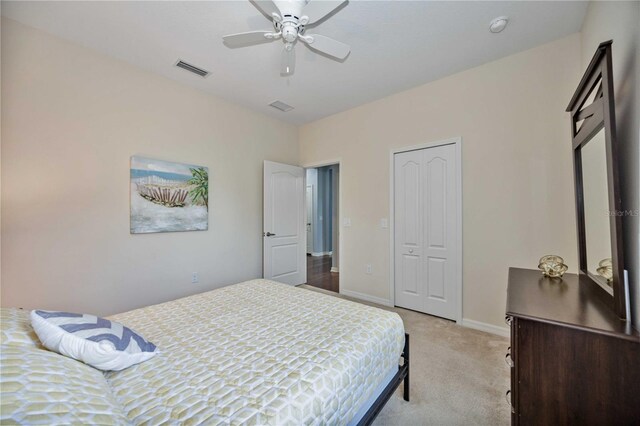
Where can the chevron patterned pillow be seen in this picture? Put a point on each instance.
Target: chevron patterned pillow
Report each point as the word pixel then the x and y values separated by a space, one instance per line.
pixel 101 343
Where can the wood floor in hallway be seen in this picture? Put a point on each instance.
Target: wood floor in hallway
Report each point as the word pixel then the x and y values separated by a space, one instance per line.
pixel 319 273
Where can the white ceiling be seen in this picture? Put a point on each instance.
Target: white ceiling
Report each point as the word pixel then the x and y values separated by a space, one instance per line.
pixel 395 45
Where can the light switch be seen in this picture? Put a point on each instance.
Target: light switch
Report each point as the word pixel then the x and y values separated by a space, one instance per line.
pixel 384 223
pixel 346 222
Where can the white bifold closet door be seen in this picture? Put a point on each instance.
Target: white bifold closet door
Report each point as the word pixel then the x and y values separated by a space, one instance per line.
pixel 425 227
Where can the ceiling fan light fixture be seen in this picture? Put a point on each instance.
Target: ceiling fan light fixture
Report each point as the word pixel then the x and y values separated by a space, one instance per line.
pixel 498 24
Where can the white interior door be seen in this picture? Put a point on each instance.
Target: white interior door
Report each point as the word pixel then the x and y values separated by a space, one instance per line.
pixel 425 224
pixel 309 219
pixel 284 224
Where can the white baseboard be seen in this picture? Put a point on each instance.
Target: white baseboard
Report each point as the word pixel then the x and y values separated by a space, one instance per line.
pixel 334 269
pixel 321 253
pixel 366 297
pixel 483 326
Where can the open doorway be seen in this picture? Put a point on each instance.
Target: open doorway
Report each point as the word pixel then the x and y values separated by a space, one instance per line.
pixel 322 227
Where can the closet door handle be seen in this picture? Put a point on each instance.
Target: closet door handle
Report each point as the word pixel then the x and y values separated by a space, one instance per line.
pixel 269 234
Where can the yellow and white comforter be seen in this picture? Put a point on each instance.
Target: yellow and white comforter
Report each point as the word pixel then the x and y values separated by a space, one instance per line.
pixel 258 352
pixel 39 387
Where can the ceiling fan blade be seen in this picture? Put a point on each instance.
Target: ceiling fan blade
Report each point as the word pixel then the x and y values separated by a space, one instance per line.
pixel 267 7
pixel 327 45
pixel 288 64
pixel 246 39
pixel 318 9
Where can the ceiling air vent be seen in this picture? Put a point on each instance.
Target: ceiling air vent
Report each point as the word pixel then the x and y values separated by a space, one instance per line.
pixel 192 68
pixel 281 106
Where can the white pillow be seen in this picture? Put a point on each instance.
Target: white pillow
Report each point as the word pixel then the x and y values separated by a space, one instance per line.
pixel 103 344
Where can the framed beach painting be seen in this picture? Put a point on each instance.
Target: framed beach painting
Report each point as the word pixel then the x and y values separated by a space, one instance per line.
pixel 168 197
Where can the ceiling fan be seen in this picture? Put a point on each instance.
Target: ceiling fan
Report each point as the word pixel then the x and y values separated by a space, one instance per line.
pixel 289 18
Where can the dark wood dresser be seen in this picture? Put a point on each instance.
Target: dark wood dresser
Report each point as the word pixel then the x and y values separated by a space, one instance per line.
pixel 573 361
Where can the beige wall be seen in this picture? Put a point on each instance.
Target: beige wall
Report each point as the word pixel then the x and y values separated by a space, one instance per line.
pixel 517 169
pixel 620 22
pixel 71 118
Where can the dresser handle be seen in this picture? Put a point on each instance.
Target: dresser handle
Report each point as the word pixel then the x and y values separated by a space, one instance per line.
pixel 508 398
pixel 508 359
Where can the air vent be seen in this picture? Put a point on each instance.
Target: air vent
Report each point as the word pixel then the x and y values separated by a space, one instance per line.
pixel 192 68
pixel 281 106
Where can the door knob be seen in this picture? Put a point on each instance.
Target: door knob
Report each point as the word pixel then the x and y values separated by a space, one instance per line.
pixel 410 250
pixel 269 234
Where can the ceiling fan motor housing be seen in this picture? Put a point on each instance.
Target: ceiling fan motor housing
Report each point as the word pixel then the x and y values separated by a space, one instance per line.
pixel 289 31
pixel 290 7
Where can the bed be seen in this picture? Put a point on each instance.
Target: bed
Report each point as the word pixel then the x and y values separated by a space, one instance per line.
pixel 257 352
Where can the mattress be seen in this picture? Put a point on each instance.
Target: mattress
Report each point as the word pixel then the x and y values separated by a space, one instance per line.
pixel 258 352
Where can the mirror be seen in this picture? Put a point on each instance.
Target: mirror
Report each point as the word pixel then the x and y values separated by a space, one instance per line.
pixel 596 210
pixel 598 202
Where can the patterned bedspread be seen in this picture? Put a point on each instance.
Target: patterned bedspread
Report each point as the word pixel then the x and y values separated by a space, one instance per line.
pixel 258 352
pixel 38 387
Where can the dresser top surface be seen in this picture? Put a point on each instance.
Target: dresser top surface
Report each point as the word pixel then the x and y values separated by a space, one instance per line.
pixel 566 301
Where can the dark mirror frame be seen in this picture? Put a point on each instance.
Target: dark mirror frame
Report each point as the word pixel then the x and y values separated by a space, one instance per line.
pixel 594 117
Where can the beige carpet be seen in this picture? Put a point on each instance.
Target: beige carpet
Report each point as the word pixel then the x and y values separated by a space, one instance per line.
pixel 458 375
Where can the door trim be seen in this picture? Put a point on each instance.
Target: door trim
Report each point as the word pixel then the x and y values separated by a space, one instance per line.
pixel 317 164
pixel 457 141
pixel 306 212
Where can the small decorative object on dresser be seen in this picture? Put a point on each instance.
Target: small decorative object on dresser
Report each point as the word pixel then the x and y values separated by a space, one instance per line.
pixel 605 270
pixel 552 266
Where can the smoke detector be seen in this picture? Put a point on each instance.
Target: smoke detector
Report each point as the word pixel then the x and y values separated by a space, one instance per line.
pixel 498 24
